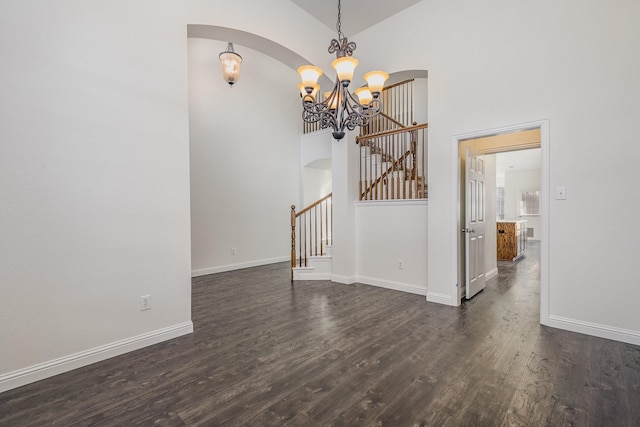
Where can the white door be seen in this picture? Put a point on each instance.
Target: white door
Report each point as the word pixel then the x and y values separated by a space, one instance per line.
pixel 474 223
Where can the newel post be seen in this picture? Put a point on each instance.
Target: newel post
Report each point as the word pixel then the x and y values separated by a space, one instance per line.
pixel 293 239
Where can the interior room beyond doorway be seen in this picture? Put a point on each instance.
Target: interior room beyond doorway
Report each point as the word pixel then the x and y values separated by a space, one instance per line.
pixel 517 154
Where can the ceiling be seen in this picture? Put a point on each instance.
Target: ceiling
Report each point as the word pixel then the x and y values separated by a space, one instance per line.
pixel 517 161
pixel 357 15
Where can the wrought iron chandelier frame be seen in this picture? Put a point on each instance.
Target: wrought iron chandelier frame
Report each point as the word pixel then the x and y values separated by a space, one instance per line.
pixel 340 109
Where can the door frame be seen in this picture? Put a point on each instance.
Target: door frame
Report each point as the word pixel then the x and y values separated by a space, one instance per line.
pixel 545 236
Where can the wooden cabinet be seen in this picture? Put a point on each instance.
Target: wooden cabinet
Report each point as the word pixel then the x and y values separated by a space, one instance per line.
pixel 512 239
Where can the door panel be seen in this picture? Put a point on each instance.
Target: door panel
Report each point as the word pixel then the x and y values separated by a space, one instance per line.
pixel 474 223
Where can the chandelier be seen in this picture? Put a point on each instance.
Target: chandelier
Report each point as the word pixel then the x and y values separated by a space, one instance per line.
pixel 339 108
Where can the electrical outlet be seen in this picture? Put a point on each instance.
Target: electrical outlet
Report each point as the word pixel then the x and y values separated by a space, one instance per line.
pixel 561 193
pixel 400 264
pixel 145 302
pixel 233 251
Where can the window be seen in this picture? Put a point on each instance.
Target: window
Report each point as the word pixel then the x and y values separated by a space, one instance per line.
pixel 530 202
pixel 500 203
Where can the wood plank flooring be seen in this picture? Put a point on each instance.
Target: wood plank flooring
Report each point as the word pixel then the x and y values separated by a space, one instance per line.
pixel 269 353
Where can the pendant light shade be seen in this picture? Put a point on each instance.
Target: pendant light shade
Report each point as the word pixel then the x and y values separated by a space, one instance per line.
pixel 375 80
pixel 364 95
pixel 230 62
pixel 345 68
pixel 309 75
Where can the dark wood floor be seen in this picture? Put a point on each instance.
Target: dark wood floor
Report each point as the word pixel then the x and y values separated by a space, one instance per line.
pixel 265 352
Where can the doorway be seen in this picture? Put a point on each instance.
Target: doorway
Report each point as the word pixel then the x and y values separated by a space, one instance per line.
pixel 501 140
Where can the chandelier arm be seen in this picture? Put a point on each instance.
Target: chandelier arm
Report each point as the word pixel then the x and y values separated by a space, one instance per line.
pixel 311 116
pixel 335 93
pixel 329 120
pixel 364 111
pixel 355 101
pixel 314 111
pixel 374 108
pixel 351 115
pixel 341 108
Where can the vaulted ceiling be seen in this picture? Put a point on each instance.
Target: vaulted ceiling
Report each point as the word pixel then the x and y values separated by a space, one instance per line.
pixel 357 15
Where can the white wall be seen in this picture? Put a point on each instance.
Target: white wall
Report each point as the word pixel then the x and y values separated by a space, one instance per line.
pixel 245 159
pixel 420 101
pixel 316 162
pixel 94 182
pixel 345 157
pixel 515 182
pixel 317 184
pixel 94 171
pixel 497 63
pixel 389 233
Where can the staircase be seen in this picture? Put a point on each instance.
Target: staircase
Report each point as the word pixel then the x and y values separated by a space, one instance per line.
pixel 311 238
pixel 317 268
pixel 393 166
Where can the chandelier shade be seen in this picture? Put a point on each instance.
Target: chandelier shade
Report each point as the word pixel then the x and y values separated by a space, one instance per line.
pixel 230 62
pixel 345 67
pixel 364 95
pixel 309 75
pixel 340 109
pixel 375 80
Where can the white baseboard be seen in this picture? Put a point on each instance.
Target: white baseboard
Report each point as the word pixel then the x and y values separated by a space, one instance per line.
pixel 238 266
pixel 594 329
pixel 440 298
pixel 396 286
pixel 345 280
pixel 491 274
pixel 54 367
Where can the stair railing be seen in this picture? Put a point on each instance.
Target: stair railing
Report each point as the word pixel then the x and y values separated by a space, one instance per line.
pixel 397 102
pixel 311 231
pixel 393 164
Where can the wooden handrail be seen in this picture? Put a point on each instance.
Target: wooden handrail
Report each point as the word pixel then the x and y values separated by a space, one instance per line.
pixel 404 82
pixel 311 206
pixel 391 132
pixel 392 120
